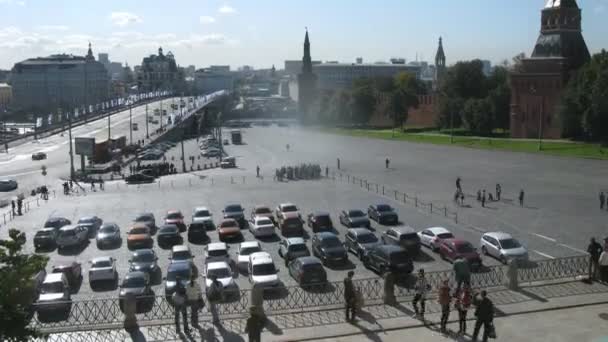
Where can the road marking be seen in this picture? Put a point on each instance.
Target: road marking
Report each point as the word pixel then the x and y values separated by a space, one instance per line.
pixel 545 237
pixel 21 173
pixel 543 254
pixel 573 248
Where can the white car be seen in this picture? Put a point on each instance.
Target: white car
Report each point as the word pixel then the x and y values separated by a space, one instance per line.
pixel 262 270
pixel 261 226
pixel 222 271
pixel 70 236
pixel 286 208
pixel 103 269
pixel 181 253
pixel 217 251
pixel 503 247
pixel 201 216
pixel 54 295
pixel 245 250
pixel 431 237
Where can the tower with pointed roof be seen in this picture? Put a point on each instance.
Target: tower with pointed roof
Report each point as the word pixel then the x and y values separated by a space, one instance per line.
pixel 439 63
pixel 89 57
pixel 537 84
pixel 307 84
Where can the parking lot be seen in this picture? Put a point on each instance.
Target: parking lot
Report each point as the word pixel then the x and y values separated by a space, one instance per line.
pixel 120 204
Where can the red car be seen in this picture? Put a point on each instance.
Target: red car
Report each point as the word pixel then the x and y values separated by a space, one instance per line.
pixel 452 249
pixel 177 218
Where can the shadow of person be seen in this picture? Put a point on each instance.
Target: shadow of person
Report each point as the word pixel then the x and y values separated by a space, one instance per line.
pixel 371 335
pixel 136 335
pixel 272 327
pixel 368 317
pixel 228 335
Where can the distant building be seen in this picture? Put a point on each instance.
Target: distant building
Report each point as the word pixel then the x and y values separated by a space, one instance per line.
pixel 333 76
pixel 294 67
pixel 398 60
pixel 307 84
pixel 440 68
pixel 6 95
pixel 190 70
pixel 103 58
pixel 159 72
pixel 359 60
pixel 45 84
pixel 537 85
pixel 487 67
pixel 214 78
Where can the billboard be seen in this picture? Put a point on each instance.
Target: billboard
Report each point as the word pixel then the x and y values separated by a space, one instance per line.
pixel 84 146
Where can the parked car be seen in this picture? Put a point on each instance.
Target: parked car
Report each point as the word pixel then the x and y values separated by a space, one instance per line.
pixel 168 236
pixel 8 185
pixel 211 153
pixel 293 248
pixel 290 223
pixel 140 178
pixel 108 235
pixel 228 162
pixel 389 258
pixel 235 212
pixel 181 253
pixel 56 222
pixel 181 271
pixel 261 226
pixel 202 218
pixel 328 248
pixel 175 217
pixel 354 218
pixel 55 297
pixel 262 270
pixel 307 271
pixel 359 241
pixel 452 249
pixel 139 237
pixel 72 236
pixel 92 223
pixel 217 251
pixel 262 211
pixel 103 269
pixel 144 260
pixel 147 219
pixel 72 271
pixel 405 237
pixel 382 213
pixel 137 284
pixel 503 247
pixel 431 237
pixel 229 229
pixel 246 248
pixel 320 221
pixel 45 238
pixel 285 208
pixel 222 271
pixel 38 156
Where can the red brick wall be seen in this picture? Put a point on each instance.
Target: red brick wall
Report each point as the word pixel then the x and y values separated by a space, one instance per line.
pixel 423 116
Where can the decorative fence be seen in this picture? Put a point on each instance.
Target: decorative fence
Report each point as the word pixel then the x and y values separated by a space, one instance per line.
pixel 96 313
pixel 27 205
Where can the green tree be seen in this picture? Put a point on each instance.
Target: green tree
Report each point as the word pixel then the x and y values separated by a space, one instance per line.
pixel 363 101
pixel 404 97
pixel 477 116
pixel 499 95
pixel 17 291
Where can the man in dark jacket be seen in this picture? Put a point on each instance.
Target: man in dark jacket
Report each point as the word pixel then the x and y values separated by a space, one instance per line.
pixel 485 315
pixel 254 326
pixel 349 296
pixel 594 249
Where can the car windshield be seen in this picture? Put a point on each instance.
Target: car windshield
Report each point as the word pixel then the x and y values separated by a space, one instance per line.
pixel 356 213
pixel 465 248
pixel 410 236
pixel 289 208
pixel 108 229
pixel 399 257
pixel 181 274
pixel 323 219
pixel 67 233
pixel 143 218
pixel 249 250
pixel 219 272
pixel 134 282
pixel 54 287
pixel 331 242
pixel 174 216
pixel 139 230
pixel 264 269
pixel 445 236
pixel 202 213
pixel 313 268
pixel 217 252
pixel 367 238
pixel 299 247
pixel 263 210
pixel 264 222
pixel 182 255
pixel 233 208
pixel 102 263
pixel 510 244
pixel 383 208
pixel 143 257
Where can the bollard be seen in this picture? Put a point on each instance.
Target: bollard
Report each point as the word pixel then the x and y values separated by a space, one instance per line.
pixel 431 206
pixel 389 289
pixel 243 179
pixel 416 201
pixel 395 194
pixel 404 197
pixel 445 211
pixel 512 282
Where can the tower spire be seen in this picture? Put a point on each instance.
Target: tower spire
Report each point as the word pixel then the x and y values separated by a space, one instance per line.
pixel 90 53
pixel 306 60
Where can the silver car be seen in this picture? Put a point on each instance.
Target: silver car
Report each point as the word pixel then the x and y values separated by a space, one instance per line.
pixel 503 247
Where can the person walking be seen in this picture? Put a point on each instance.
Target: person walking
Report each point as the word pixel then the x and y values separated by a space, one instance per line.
pixel 19 206
pixel 479 195
pixel 387 162
pixel 462 272
pixel 458 184
pixel 338 162
pixel 521 198
pixel 13 207
pixel 257 171
pixel 422 288
pixel 595 250
pixel 194 299
pixel 462 304
pixel 484 314
pixel 254 325
pixel 350 297
pixel 483 198
pixel 603 262
pixel 498 191
pixel 92 184
pixel 444 300
pixel 326 171
pixel 602 200
pixel 215 296
pixel 179 304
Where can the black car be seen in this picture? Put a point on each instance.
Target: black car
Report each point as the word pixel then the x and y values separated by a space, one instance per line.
pixel 108 235
pixel 137 284
pixel 389 258
pixel 320 221
pixel 38 156
pixel 72 271
pixel 139 178
pixel 198 231
pixel 143 260
pixel 45 238
pixel 181 271
pixel 168 236
pixel 56 222
pixel 383 214
pixel 307 271
pixel 354 218
pixel 360 241
pixel 147 219
pixel 236 212
pixel 328 248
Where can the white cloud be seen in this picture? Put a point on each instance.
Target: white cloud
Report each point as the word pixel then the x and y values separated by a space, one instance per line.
pixel 52 28
pixel 226 10
pixel 20 3
pixel 205 19
pixel 123 19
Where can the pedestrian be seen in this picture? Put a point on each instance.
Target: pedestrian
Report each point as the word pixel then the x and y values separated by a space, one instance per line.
pixel 422 288
pixel 257 171
pixel 444 300
pixel 461 198
pixel 66 188
pixel 13 206
pixel 195 300
pixel 498 191
pixel 603 262
pixel 215 296
pixel 350 297
pixel 462 304
pixel 326 171
pixel 485 315
pixel 458 184
pixel 19 206
pixel 462 272
pixel 100 183
pixel 602 200
pixel 338 162
pixel 387 162
pixel 521 197
pixel 595 250
pixel 93 184
pixel 483 198
pixel 179 304
pixel 254 325
pixel 478 195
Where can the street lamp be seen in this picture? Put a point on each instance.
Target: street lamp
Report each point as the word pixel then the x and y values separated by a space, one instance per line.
pixel 147 134
pixel 130 124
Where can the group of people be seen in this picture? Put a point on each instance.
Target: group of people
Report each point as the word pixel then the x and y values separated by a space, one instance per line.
pixel 19 206
pixel 484 196
pixel 598 260
pixel 43 191
pixel 302 171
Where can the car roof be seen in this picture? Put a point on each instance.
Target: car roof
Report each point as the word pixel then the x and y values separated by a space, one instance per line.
pixel 217 264
pixel 403 230
pixel 135 274
pixel 260 258
pixel 249 244
pixel 438 230
pixel 360 231
pixel 320 213
pixel 68 227
pixel 295 241
pixel 291 214
pixel 53 277
pixel 216 246
pixel 179 248
pixel 499 235
pixel 201 209
pixel 179 266
pixel 101 258
pixel 309 260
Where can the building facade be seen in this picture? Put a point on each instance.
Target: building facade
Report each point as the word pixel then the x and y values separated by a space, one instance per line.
pixel 537 84
pixel 6 95
pixel 334 76
pixel 307 85
pixel 159 72
pixel 45 84
pixel 294 67
pixel 214 78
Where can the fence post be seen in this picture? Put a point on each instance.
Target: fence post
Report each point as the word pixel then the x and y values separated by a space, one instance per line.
pixel 416 201
pixel 404 196
pixel 445 211
pixel 383 189
pixel 376 188
pixel 431 205
pixel 395 194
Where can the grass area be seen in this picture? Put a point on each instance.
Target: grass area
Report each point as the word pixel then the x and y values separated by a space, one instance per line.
pixel 433 136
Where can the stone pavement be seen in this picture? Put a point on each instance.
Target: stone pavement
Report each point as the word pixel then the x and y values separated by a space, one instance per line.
pixel 566 311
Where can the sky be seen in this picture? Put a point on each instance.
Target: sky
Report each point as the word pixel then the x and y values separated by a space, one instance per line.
pixel 261 33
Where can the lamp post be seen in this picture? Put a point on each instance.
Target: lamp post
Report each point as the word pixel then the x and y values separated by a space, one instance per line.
pixel 183 154
pixel 130 124
pixel 70 141
pixel 147 134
